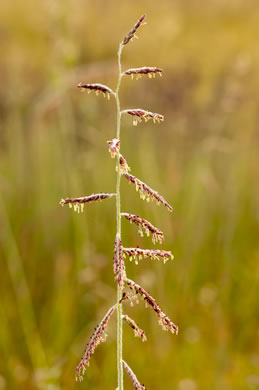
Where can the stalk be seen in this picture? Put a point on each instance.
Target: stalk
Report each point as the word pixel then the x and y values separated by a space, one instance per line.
pixel 118 219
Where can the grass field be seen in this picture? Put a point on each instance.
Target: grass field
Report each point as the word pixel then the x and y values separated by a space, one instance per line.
pixel 56 279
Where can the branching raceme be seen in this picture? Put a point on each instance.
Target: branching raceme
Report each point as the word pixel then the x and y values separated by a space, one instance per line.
pixel 126 289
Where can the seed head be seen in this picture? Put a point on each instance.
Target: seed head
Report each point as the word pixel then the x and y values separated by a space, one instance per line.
pixel 138 332
pixel 132 33
pixel 133 377
pixel 163 319
pixel 157 235
pixel 151 71
pixel 146 193
pixel 79 202
pixel 139 114
pixel 155 254
pixel 98 88
pixel 98 337
pixel 118 263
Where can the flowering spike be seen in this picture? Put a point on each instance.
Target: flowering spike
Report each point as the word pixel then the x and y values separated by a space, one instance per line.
pixel 118 263
pixel 146 192
pixel 134 291
pixel 106 91
pixel 114 147
pixel 138 332
pixel 98 337
pixel 139 114
pixel 163 319
pixel 132 32
pixel 133 377
pixel 157 235
pixel 145 70
pixel 154 254
pixel 79 202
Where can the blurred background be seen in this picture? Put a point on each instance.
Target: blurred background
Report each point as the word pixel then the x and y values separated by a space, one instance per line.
pixel 56 279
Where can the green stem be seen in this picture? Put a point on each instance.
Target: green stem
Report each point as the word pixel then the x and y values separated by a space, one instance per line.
pixel 118 218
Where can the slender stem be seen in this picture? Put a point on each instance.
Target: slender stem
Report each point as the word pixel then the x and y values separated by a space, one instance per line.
pixel 118 218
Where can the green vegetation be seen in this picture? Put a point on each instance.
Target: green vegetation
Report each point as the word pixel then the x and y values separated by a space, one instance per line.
pixel 55 266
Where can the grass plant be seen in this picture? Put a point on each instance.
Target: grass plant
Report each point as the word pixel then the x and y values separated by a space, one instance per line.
pixel 126 289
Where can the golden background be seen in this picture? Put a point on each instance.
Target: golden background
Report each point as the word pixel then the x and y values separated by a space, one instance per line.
pixel 56 279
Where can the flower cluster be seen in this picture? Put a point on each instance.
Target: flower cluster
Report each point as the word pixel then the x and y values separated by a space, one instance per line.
pixel 157 235
pixel 118 263
pixel 151 71
pixel 133 377
pixel 98 88
pixel 146 193
pixel 139 114
pixel 132 33
pixel 114 147
pixel 163 319
pixel 98 337
pixel 78 203
pixel 155 254
pixel 138 332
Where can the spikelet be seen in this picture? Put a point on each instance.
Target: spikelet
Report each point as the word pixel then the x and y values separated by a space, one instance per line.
pixel 151 71
pixel 114 147
pixel 133 377
pixel 124 167
pixel 132 33
pixel 124 297
pixel 78 203
pixel 155 254
pixel 98 88
pixel 98 337
pixel 118 262
pixel 146 193
pixel 157 235
pixel 139 114
pixel 138 332
pixel 163 319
